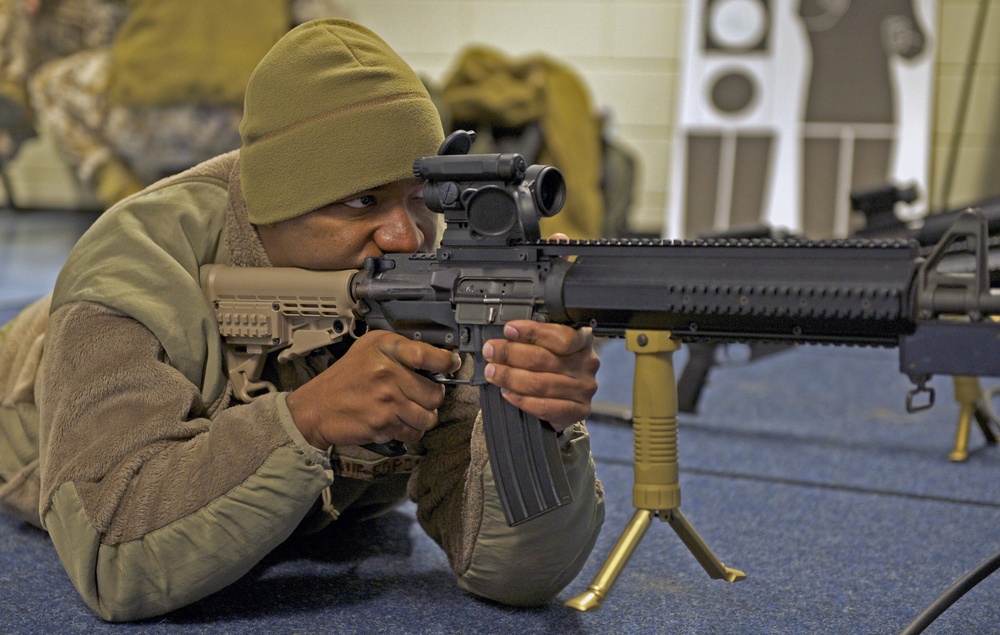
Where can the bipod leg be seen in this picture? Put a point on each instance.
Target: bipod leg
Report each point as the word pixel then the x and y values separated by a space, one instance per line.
pixel 712 565
pixel 598 590
pixel 986 425
pixel 656 491
pixel 969 395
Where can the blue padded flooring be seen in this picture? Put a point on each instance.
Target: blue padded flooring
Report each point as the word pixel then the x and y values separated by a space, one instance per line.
pixel 801 469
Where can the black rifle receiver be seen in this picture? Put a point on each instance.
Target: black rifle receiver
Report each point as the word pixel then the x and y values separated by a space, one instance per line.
pixel 471 287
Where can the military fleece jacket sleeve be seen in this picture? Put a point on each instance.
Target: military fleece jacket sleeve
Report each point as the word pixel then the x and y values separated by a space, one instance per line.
pixel 151 505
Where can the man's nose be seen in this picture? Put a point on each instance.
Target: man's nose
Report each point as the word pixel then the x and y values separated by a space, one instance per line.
pixel 400 233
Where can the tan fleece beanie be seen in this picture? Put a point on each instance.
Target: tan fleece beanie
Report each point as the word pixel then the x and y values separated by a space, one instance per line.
pixel 330 111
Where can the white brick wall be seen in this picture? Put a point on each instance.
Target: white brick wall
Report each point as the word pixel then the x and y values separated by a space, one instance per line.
pixel 625 50
pixel 40 178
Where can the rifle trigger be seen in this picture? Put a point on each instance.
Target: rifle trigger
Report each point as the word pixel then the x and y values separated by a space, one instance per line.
pixel 444 380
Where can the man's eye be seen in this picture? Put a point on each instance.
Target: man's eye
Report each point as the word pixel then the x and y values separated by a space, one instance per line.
pixel 361 202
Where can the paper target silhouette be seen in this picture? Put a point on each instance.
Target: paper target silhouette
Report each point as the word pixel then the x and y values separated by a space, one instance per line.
pixel 786 106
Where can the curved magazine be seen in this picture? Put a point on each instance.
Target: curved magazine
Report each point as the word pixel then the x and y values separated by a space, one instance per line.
pixel 524 454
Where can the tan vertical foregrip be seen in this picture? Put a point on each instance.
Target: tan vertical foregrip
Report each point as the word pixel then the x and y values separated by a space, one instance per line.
pixel 654 420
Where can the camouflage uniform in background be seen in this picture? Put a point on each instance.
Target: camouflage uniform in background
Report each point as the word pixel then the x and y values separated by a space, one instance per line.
pixel 64 57
pixel 33 32
pixel 121 149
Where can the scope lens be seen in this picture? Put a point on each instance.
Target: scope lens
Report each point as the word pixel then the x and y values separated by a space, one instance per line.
pixel 491 211
pixel 549 190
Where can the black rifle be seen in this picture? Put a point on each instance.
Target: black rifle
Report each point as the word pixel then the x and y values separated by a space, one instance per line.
pixel 878 205
pixel 492 267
